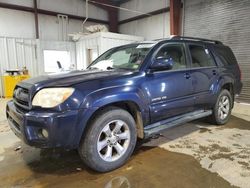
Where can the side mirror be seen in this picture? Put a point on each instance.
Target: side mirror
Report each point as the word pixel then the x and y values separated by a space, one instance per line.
pixel 162 63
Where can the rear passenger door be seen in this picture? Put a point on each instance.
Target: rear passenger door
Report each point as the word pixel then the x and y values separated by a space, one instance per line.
pixel 203 73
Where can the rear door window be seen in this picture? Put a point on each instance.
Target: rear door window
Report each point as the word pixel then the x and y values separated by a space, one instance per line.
pixel 201 56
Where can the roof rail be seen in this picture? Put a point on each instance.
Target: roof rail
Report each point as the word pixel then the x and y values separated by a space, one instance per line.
pixel 195 39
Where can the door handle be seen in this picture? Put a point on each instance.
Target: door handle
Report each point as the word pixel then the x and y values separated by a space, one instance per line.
pixel 214 72
pixel 187 75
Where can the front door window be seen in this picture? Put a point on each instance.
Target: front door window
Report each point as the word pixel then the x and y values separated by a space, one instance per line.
pixel 174 52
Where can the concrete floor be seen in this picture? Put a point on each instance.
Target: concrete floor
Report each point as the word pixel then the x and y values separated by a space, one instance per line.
pixel 196 154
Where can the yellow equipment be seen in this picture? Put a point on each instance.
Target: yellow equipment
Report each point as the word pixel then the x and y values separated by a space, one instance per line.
pixel 9 83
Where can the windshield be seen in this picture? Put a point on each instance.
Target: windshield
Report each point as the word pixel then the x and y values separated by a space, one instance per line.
pixel 127 57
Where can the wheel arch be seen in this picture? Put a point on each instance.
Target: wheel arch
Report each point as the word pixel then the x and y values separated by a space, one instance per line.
pixel 228 86
pixel 129 98
pixel 225 83
pixel 128 105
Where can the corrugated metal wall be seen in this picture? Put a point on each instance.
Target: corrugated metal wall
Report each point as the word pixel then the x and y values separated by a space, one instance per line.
pixel 225 20
pixel 16 54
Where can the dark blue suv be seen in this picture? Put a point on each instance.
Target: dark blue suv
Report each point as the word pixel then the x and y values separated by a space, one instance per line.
pixel 128 93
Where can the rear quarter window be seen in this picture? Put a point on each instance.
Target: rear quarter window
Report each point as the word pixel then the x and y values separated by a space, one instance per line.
pixel 226 55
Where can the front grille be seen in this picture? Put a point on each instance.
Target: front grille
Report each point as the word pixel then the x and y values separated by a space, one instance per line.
pixel 22 98
pixel 22 102
pixel 14 123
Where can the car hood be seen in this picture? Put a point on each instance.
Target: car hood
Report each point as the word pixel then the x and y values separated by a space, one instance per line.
pixel 73 77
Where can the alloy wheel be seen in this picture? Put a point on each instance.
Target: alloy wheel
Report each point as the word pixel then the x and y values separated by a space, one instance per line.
pixel 224 107
pixel 113 140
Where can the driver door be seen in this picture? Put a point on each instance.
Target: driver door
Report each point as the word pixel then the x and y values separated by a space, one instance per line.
pixel 170 90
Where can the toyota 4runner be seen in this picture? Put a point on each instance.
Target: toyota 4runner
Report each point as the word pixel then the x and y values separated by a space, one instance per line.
pixel 128 93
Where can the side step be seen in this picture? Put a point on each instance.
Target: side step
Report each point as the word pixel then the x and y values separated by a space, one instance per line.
pixel 171 122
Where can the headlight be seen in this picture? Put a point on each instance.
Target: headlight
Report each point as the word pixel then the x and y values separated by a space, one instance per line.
pixel 51 97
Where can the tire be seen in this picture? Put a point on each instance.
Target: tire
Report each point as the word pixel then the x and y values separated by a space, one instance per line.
pixel 221 111
pixel 109 140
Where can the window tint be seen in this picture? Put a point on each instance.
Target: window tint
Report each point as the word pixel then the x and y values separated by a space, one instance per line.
pixel 174 52
pixel 200 56
pixel 226 55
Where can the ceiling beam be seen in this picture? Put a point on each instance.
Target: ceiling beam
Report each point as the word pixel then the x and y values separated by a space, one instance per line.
pixel 16 7
pixel 49 13
pixel 70 16
pixel 146 15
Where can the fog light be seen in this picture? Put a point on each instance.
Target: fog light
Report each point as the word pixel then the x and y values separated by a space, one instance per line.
pixel 45 133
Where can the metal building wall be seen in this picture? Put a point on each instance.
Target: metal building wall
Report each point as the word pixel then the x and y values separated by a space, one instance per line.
pixel 153 27
pixel 227 21
pixel 16 54
pixel 20 24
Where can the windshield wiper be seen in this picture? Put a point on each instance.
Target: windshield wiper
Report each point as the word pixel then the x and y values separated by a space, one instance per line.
pixel 110 68
pixel 118 68
pixel 125 68
pixel 92 68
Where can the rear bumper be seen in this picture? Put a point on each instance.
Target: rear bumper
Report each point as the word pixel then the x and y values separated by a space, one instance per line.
pixel 61 127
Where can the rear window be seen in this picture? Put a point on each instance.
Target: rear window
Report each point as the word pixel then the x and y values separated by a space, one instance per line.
pixel 226 55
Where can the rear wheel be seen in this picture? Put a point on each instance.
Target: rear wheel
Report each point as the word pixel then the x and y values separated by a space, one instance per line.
pixel 109 140
pixel 222 109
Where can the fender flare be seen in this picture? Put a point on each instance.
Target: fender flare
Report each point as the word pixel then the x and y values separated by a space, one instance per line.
pixel 221 82
pixel 100 98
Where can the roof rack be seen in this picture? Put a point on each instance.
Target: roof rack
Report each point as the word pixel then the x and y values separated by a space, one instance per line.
pixel 194 39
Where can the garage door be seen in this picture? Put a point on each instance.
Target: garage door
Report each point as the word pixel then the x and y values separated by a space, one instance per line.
pixel 227 21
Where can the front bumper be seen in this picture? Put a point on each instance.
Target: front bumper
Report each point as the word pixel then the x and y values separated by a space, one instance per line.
pixel 61 127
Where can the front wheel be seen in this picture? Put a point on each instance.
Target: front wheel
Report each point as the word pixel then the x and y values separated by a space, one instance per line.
pixel 222 109
pixel 109 140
